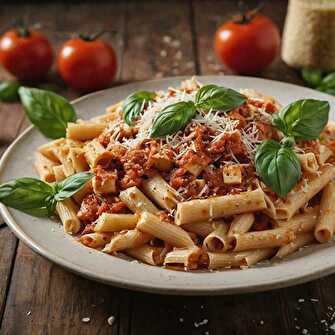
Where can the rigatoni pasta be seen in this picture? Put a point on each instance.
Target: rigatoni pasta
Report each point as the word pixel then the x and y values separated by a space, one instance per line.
pixel 195 198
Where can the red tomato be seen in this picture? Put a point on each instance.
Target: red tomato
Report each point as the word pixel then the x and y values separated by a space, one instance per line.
pixel 27 54
pixel 87 65
pixel 248 47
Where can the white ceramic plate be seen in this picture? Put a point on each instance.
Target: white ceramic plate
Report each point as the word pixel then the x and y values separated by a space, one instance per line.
pixel 47 238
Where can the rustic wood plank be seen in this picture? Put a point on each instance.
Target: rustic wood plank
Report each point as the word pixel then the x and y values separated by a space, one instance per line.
pixel 8 245
pixel 158 41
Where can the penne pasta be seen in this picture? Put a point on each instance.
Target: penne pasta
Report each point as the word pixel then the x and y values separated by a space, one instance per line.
pixel 137 201
pixel 108 222
pixel 127 239
pixel 47 149
pixel 44 167
pixel 105 184
pixel 186 257
pixel 170 233
pixel 241 224
pixel 217 240
pixel 300 241
pixel 95 240
pixel 96 154
pixel 218 207
pixel 148 254
pixel 86 189
pixel 161 192
pixel 84 131
pixel 298 199
pixel 67 212
pixel 58 171
pixel 262 239
pixel 238 259
pixel 62 154
pixel 325 226
pixel 200 228
pixel 77 157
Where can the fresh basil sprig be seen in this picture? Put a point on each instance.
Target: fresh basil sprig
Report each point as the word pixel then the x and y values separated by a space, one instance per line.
pixel 47 111
pixel 302 119
pixel 172 118
pixel 134 105
pixel 278 166
pixel 218 98
pixel 9 91
pixel 37 198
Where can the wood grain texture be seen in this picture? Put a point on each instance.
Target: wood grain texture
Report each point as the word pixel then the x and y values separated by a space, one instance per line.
pixel 154 39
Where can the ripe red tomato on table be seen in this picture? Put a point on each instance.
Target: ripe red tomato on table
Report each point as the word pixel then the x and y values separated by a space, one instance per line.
pixel 87 64
pixel 249 45
pixel 25 53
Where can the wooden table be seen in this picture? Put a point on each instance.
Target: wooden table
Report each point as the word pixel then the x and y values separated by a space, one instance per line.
pixel 154 39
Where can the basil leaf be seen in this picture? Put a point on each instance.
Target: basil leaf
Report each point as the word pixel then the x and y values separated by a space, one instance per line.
pixel 327 82
pixel 71 185
pixel 134 105
pixel 312 77
pixel 302 119
pixel 9 91
pixel 329 90
pixel 277 166
pixel 29 195
pixel 218 98
pixel 172 118
pixel 48 111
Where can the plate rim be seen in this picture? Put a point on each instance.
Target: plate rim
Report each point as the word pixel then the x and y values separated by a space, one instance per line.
pixel 132 284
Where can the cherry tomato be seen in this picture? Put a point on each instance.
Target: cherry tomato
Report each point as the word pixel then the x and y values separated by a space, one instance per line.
pixel 87 64
pixel 27 54
pixel 248 46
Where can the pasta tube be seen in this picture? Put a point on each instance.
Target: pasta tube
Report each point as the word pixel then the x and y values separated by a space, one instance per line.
pixel 161 192
pixel 127 239
pixel 58 171
pixel 95 240
pixel 47 149
pixel 67 211
pixel 300 241
pixel 187 257
pixel 78 160
pixel 148 254
pixel 296 200
pixel 44 167
pixel 115 222
pixel 137 201
pixel 217 241
pixel 84 131
pixel 238 259
pixel 170 233
pixel 218 207
pixel 96 154
pixel 262 239
pixel 241 224
pixel 200 228
pixel 325 226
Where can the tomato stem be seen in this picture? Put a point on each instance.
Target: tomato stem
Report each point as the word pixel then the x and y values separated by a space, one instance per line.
pixel 23 31
pixel 93 36
pixel 247 14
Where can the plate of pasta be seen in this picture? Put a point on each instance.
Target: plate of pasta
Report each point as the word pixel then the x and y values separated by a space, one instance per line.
pixel 203 185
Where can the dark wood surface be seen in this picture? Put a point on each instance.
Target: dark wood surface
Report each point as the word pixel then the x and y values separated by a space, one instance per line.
pixel 153 39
